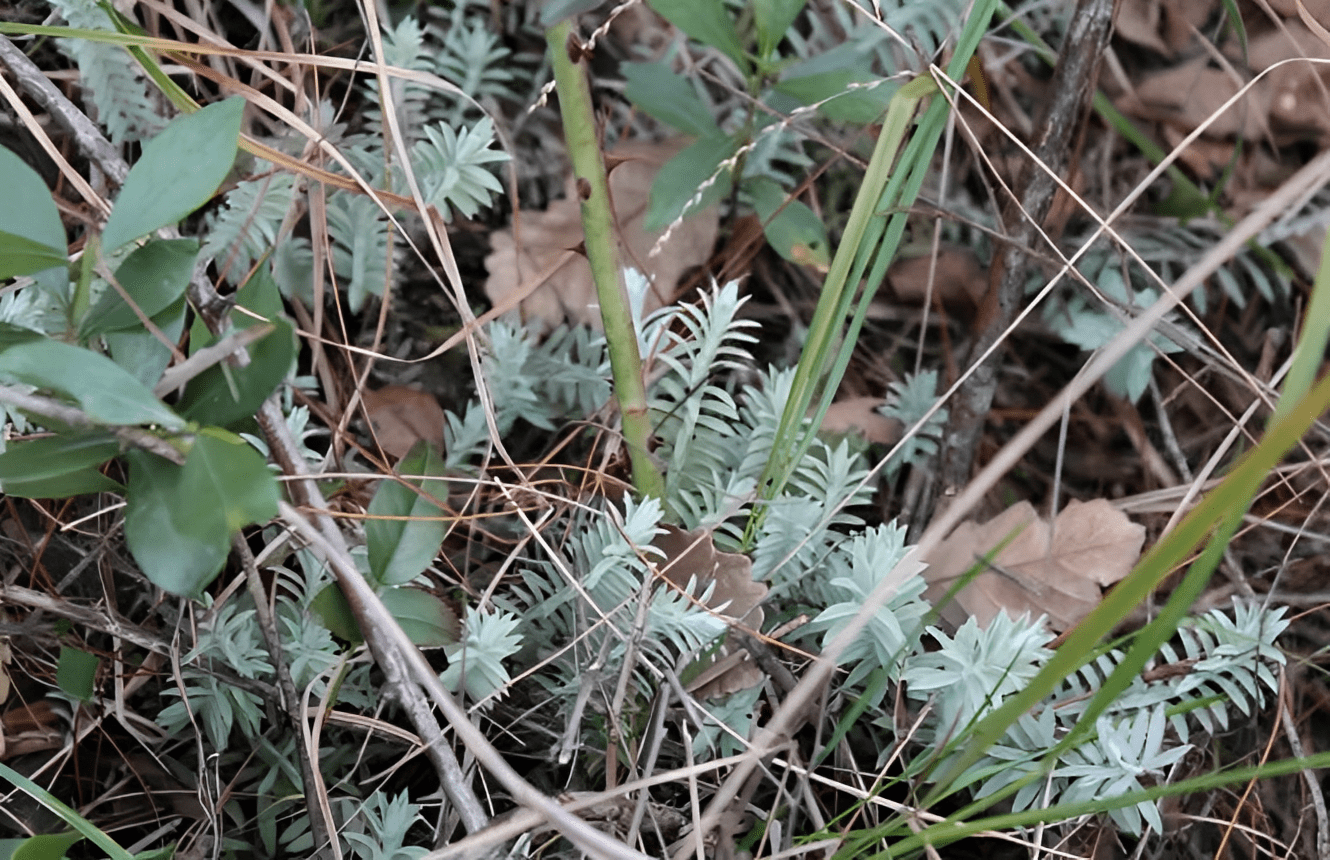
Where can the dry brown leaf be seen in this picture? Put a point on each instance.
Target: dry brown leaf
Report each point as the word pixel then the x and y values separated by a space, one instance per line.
pixel 403 416
pixel 545 271
pixel 1319 10
pixel 1139 22
pixel 1297 91
pixel 859 415
pixel 736 598
pixel 1187 94
pixel 958 278
pixel 1059 572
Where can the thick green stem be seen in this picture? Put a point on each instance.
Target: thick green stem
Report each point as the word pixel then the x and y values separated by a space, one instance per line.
pixel 602 251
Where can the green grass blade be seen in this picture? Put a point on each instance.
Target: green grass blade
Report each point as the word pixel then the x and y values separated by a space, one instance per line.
pixel 68 815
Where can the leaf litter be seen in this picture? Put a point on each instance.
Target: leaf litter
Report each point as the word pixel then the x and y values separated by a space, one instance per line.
pixel 1058 570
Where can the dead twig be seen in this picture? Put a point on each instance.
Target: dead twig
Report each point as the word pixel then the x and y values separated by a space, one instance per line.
pixel 1073 85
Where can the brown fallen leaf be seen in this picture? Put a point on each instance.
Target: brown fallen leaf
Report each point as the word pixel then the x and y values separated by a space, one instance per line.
pixel 1058 572
pixel 958 278
pixel 1185 96
pixel 736 598
pixel 859 415
pixel 543 271
pixel 403 416
pixel 1298 102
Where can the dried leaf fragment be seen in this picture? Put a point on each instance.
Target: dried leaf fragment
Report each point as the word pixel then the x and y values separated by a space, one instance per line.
pixel 1059 571
pixel 735 597
pixel 402 416
pixel 541 269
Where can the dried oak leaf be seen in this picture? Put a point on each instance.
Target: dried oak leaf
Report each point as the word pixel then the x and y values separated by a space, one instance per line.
pixel 544 271
pixel 1059 572
pixel 735 597
pixel 403 416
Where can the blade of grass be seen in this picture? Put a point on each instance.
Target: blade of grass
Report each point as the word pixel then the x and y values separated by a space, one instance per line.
pixel 872 234
pixel 69 816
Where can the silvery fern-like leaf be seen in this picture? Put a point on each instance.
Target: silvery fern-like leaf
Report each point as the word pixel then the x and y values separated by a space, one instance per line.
pixel 799 527
pixel 385 822
pixel 476 662
pixel 908 401
pixel 451 167
pixel 511 385
pixel 572 370
pixel 113 81
pixel 359 233
pixel 1114 763
pixel 975 671
pixel 860 564
pixel 466 437
pixel 727 724
pixel 470 57
pixel 403 46
pixel 246 226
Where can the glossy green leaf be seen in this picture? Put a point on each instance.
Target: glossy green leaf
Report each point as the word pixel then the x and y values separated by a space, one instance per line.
pixel 707 21
pixel 20 255
pixel 669 97
pixel 155 277
pixel 794 231
pixel 403 544
pixel 334 612
pixel 180 170
pixel 141 352
pixel 65 486
pixel 825 80
pixel 426 620
pixel 682 176
pixel 772 18
pixel 56 455
pixel 223 474
pixel 224 394
pixel 58 466
pixel 29 212
pixel 76 672
pixel 46 846
pixel 106 392
pixel 180 553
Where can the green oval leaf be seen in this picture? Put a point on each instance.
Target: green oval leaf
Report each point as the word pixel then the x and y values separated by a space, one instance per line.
pixel 333 611
pixel 106 392
pixel 29 213
pixel 792 228
pixel 224 474
pixel 75 672
pixel 46 846
pixel 426 620
pixel 20 255
pixel 177 554
pixel 180 170
pixel 707 21
pixel 669 97
pixel 154 276
pixel 58 466
pixel 682 176
pixel 402 547
pixel 179 519
pixel 224 394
